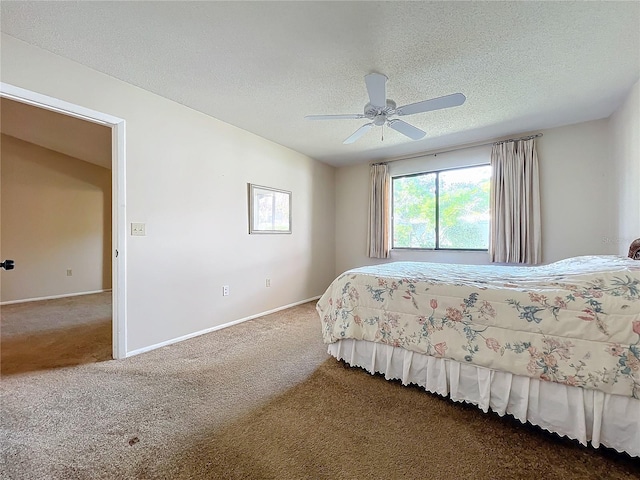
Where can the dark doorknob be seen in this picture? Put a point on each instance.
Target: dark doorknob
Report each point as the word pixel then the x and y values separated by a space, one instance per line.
pixel 8 265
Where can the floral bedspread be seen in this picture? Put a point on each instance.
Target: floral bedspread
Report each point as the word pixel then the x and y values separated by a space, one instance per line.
pixel 576 321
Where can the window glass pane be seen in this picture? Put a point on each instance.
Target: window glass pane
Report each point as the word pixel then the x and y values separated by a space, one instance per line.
pixel 414 211
pixel 464 208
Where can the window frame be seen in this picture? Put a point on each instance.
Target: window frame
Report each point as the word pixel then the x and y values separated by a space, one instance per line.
pixel 437 213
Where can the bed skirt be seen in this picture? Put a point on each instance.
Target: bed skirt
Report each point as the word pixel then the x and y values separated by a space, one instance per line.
pixel 583 415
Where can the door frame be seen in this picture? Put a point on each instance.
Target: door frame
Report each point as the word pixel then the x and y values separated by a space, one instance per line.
pixel 118 194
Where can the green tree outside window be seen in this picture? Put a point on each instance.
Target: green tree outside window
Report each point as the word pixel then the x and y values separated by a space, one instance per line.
pixel 460 203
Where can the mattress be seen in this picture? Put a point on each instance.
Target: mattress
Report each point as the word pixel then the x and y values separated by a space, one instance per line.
pixel 575 322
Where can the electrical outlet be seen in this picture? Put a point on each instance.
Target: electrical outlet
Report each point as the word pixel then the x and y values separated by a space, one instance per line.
pixel 138 229
pixel 69 272
pixel 268 282
pixel 225 290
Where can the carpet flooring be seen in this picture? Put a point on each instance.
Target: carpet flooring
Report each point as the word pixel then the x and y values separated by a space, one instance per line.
pixel 263 400
pixel 55 333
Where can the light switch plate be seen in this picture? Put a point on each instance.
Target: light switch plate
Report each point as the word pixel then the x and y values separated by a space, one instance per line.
pixel 138 229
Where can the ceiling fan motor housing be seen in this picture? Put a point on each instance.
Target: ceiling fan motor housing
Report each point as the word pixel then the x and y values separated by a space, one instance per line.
pixel 379 115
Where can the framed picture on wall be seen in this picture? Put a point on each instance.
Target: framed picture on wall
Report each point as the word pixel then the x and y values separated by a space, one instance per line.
pixel 269 210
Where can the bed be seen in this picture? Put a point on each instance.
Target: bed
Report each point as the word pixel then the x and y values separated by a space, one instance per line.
pixel 556 345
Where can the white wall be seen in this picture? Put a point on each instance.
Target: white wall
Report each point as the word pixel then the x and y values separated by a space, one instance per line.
pixel 56 215
pixel 577 185
pixel 625 134
pixel 187 177
pixel 577 180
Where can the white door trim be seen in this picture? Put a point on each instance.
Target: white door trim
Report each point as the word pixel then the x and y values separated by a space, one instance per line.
pixel 118 204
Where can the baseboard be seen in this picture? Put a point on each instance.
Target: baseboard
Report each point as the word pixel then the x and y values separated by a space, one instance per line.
pixel 217 327
pixel 52 297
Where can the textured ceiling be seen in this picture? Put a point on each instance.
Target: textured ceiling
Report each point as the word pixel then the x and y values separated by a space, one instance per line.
pixel 263 66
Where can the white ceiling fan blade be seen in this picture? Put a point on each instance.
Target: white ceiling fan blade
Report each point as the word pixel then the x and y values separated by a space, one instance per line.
pixel 377 89
pixel 358 133
pixel 447 101
pixel 348 116
pixel 406 129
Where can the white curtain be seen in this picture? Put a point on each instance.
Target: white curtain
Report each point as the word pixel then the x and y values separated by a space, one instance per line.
pixel 515 203
pixel 379 205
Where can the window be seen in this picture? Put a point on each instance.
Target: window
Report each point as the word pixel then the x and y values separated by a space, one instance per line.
pixel 443 210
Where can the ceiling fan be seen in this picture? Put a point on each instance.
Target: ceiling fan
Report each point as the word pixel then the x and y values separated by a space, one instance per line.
pixel 380 109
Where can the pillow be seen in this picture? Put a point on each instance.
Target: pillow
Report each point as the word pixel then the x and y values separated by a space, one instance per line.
pixel 634 249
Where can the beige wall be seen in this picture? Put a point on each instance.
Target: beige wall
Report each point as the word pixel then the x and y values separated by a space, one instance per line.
pixel 56 215
pixel 576 182
pixel 61 133
pixel 187 177
pixel 625 148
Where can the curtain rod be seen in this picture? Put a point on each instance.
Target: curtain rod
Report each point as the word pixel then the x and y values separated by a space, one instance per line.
pixel 529 137
pixel 464 147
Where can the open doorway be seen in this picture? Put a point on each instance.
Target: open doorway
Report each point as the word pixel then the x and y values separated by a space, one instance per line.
pixel 85 303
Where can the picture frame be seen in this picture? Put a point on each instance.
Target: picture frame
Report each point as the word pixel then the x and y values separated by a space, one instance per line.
pixel 269 210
